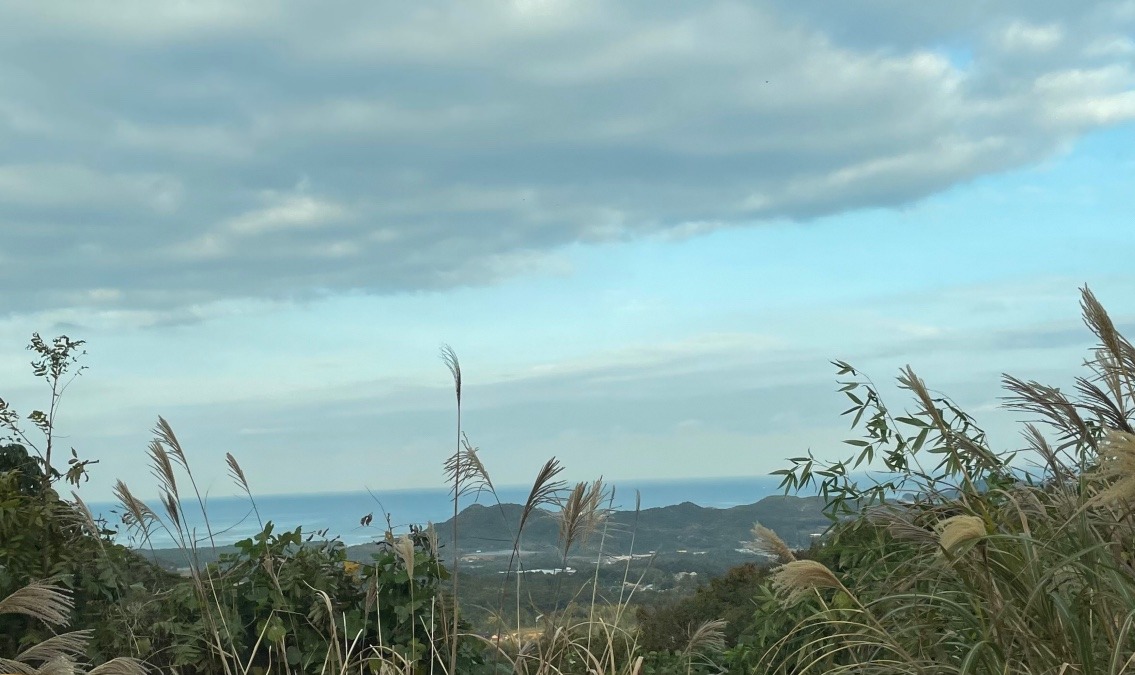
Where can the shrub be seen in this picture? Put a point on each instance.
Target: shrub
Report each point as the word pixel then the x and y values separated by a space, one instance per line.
pixel 989 566
pixel 668 627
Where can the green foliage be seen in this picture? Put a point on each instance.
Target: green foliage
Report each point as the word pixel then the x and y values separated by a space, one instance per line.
pixel 42 536
pixel 984 566
pixel 957 560
pixel 730 597
pixel 27 473
pixel 283 600
pixel 261 603
pixel 57 365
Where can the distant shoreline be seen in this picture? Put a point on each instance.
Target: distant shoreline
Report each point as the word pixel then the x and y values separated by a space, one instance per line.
pixel 340 513
pixel 678 530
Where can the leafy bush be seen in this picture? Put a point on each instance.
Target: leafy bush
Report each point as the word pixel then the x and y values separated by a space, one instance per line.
pixel 43 536
pixel 730 598
pixel 989 566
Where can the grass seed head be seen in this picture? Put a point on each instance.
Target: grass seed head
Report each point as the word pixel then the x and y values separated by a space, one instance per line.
pixel 956 530
pixel 1117 464
pixel 769 543
pixel 404 547
pixel 792 581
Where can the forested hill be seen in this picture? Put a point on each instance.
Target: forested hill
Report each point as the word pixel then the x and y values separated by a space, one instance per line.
pixel 669 529
pixel 683 526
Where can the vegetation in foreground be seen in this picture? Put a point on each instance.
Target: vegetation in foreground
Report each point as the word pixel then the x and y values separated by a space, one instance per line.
pixel 965 560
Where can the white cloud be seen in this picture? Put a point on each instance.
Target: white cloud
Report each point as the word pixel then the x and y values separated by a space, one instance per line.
pixel 139 21
pixel 1110 47
pixel 464 142
pixel 286 213
pixel 52 185
pixel 203 140
pixel 1021 36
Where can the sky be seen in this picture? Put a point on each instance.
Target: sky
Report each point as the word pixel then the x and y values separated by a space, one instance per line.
pixel 646 228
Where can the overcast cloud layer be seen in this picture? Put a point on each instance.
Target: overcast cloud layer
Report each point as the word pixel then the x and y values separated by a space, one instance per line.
pixel 157 158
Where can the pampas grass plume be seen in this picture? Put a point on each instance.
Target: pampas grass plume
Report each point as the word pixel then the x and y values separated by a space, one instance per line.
pixel 1117 463
pixel 956 530
pixel 768 542
pixel 792 581
pixel 404 547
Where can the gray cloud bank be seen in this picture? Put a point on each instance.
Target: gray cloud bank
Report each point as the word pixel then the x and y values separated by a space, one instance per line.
pixel 156 157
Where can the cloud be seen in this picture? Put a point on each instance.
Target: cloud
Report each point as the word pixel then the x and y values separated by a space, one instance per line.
pixel 61 186
pixel 1020 36
pixel 279 151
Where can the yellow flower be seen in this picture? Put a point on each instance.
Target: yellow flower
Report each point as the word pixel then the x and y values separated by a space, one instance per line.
pixel 351 567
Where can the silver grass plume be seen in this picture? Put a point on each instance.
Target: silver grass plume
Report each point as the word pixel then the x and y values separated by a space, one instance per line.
pixel 137 512
pixel 1117 466
pixel 791 582
pixel 63 646
pixel 466 473
pixel 120 666
pixel 769 543
pixel 161 467
pixel 709 636
pixel 404 548
pixel 581 513
pixel 897 522
pixel 543 492
pixel 957 530
pixel 40 600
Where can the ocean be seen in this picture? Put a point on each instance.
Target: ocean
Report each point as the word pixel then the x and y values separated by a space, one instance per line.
pixel 232 518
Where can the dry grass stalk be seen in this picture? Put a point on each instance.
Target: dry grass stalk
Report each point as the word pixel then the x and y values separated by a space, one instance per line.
pixel 87 518
pixel 172 508
pixel 236 473
pixel 769 543
pixel 136 510
pixel 431 539
pixel 1119 354
pixel 162 468
pixel 450 358
pixel 62 646
pixel 1117 466
pixel 957 530
pixel 12 667
pixel 543 492
pixel 164 435
pixel 404 547
pixel 961 445
pixel 581 513
pixel 1040 445
pixel 898 524
pixel 710 636
pixel 57 655
pixel 465 472
pixel 1048 402
pixel 165 438
pixel 39 600
pixel 120 666
pixel 58 666
pixel 793 581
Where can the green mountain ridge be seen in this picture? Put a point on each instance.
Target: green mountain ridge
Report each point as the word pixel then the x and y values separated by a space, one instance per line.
pixel 684 526
pixel 665 529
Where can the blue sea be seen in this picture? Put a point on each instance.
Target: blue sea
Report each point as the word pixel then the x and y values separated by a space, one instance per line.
pixel 232 518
